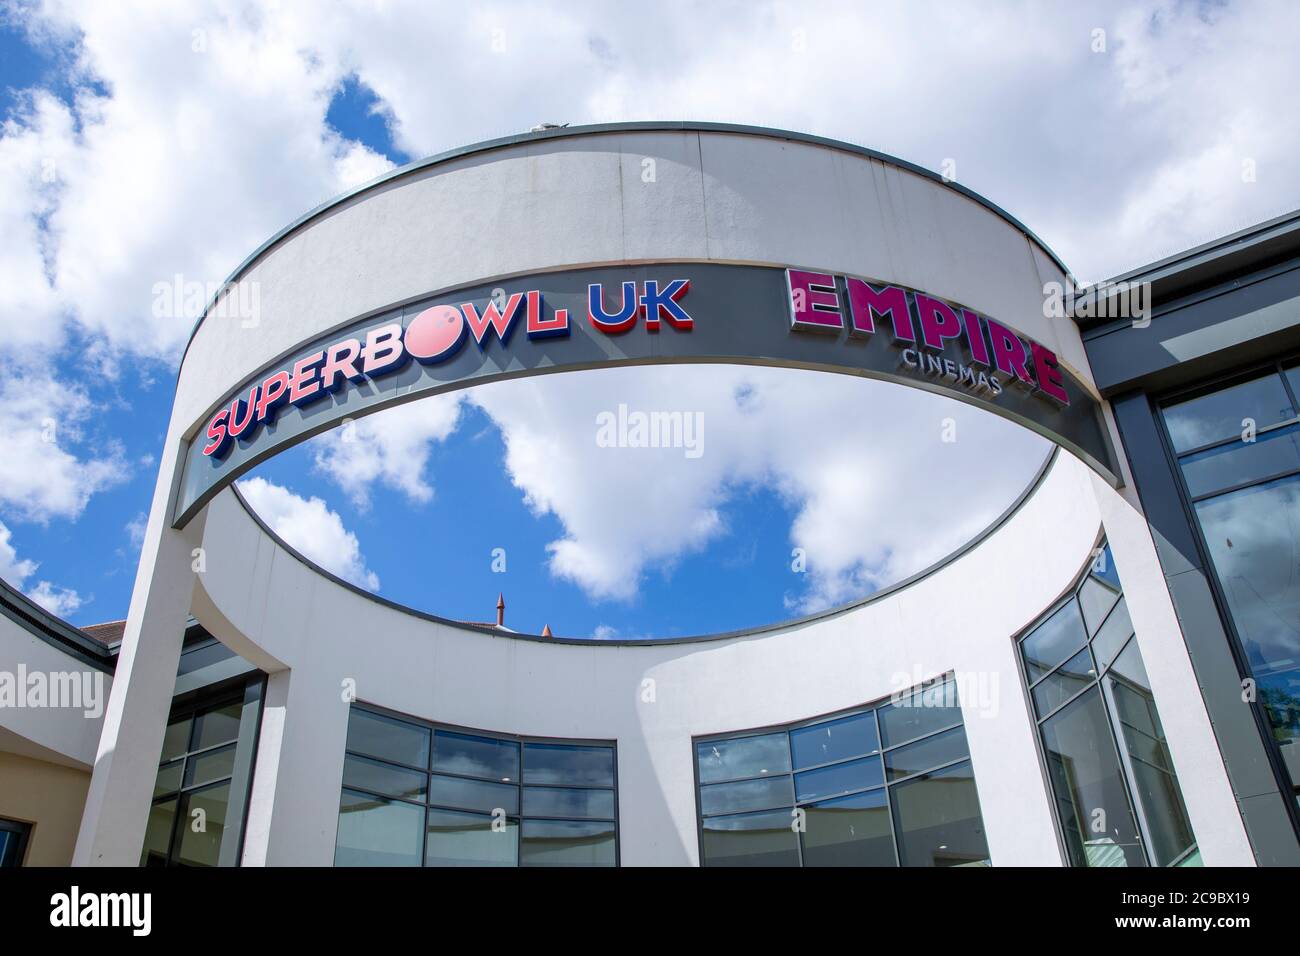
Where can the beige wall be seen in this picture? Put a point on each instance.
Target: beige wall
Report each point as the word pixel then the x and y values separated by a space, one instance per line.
pixel 51 797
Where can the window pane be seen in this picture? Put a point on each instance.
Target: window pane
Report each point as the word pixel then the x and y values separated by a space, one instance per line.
pixel 751 839
pixel 169 778
pixel 566 843
pixel 743 757
pixel 476 756
pixel 1218 415
pixel 1269 454
pixel 927 754
pixel 1096 599
pixel 377 832
pixel 932 709
pixel 158 833
pixel 849 831
pixel 1086 778
pixel 217 726
pixel 852 736
pixel 388 739
pixel 13 843
pixel 1056 639
pixel 1139 729
pixel 1104 570
pixel 761 794
pixel 1253 537
pixel 567 764
pixel 838 779
pixel 937 820
pixel 1072 677
pixel 204 809
pixel 1110 639
pixel 362 773
pixel 564 802
pixel 213 765
pixel 473 794
pixel 176 740
pixel 468 839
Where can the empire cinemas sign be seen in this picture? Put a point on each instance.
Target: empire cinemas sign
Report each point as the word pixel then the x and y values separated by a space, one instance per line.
pixel 657 313
pixel 923 326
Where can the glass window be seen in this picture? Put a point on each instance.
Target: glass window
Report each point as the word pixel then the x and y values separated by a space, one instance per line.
pixel 470 839
pixel 386 738
pixel 925 712
pixel 460 801
pixel 1220 415
pixel 566 843
pixel 13 842
pixel 751 839
pixel 743 757
pixel 1056 640
pixel 568 764
pixel 850 831
pixel 191 816
pixel 937 819
pixel 832 740
pixel 1116 795
pixel 377 832
pixel 841 810
pixel 472 756
pixel 1240 462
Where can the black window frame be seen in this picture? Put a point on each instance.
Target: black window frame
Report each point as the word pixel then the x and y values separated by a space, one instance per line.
pixel 518 817
pixel 24 830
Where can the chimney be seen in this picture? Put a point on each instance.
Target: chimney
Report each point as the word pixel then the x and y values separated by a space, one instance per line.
pixel 501 610
pixel 546 631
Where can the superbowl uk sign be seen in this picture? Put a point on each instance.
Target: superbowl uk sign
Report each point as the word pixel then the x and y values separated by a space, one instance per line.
pixel 642 315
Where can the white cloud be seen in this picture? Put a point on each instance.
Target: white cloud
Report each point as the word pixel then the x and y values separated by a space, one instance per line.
pixel 40 477
pixel 878 493
pixel 391 449
pixel 135 529
pixel 311 527
pixel 57 600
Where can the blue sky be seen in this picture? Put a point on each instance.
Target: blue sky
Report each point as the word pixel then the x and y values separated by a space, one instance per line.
pixel 174 138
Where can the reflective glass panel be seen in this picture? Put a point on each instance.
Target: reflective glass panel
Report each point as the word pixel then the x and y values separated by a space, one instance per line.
pixel 202 846
pixel 387 738
pixel 852 736
pixel 176 739
pixel 1096 599
pixel 1110 639
pixel 362 773
pixel 169 778
pixel 473 756
pixel 473 794
pixel 839 778
pixel 937 820
pixel 378 832
pixel 1270 454
pixel 743 757
pixel 1063 683
pixel 927 754
pixel 751 839
pixel 217 726
pixel 1088 785
pixel 569 764
pixel 916 715
pixel 1219 415
pixel 566 843
pixel 760 794
pixel 469 839
pixel 158 833
pixel 567 802
pixel 1055 640
pixel 849 831
pixel 210 766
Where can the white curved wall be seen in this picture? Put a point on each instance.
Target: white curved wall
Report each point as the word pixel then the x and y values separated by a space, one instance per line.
pixel 548 204
pixel 263 600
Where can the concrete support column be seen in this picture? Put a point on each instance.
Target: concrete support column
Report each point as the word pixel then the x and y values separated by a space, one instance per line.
pixel 293 810
pixel 126 762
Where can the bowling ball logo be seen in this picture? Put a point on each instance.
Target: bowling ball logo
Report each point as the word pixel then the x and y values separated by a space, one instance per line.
pixel 435 334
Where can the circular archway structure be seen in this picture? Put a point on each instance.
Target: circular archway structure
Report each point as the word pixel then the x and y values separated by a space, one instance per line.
pixel 634 244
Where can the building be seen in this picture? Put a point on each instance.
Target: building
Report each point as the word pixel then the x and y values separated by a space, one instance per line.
pixel 1104 676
